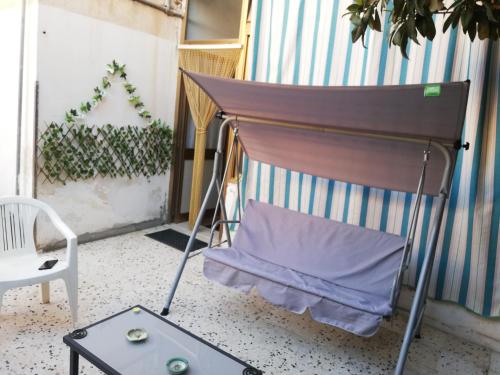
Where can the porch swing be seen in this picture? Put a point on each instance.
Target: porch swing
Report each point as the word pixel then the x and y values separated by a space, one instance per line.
pixel 403 138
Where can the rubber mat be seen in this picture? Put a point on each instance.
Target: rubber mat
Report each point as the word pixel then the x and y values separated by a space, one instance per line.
pixel 175 239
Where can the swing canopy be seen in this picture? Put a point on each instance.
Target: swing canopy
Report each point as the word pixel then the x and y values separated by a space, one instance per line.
pixel 316 129
pixel 402 138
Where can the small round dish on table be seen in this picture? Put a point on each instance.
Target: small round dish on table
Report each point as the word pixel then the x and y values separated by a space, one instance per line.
pixel 137 335
pixel 177 366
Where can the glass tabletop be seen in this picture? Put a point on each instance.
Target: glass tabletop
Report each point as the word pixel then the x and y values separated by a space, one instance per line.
pixel 106 345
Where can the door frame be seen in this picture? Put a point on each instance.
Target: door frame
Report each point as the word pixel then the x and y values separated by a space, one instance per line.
pixel 181 116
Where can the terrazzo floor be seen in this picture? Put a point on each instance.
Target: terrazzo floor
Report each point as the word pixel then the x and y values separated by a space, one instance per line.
pixel 131 269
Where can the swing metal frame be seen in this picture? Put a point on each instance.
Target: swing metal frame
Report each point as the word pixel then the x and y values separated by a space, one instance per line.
pixel 416 313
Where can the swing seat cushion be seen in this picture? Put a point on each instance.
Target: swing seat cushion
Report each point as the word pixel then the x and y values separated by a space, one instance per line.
pixel 343 273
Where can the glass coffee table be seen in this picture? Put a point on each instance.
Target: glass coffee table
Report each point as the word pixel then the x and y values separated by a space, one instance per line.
pixel 106 345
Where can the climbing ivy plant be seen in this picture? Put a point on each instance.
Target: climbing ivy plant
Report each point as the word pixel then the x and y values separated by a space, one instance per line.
pixel 114 69
pixel 74 150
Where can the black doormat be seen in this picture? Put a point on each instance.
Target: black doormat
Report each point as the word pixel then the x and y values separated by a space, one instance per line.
pixel 176 239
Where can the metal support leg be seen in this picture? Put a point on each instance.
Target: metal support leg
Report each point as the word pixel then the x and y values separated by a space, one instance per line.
pixel 189 246
pixel 418 328
pixel 220 194
pixel 190 243
pixel 422 287
pixel 420 321
pixel 224 213
pixel 73 362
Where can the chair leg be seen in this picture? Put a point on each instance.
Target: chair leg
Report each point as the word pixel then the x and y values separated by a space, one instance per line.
pixel 45 292
pixel 71 282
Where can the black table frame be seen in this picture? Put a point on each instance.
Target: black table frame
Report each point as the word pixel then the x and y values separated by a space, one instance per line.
pixel 77 350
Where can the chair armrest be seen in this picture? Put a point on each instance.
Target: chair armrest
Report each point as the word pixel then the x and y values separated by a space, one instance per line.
pixel 62 227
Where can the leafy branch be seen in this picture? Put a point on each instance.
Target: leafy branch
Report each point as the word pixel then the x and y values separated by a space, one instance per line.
pixel 114 69
pixel 411 18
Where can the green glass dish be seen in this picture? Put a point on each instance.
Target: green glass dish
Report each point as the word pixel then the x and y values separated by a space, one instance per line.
pixel 177 366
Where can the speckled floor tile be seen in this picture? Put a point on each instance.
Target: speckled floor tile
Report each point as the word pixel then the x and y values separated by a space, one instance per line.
pixel 132 269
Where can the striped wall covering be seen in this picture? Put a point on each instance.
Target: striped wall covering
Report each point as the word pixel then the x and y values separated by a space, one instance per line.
pixel 308 43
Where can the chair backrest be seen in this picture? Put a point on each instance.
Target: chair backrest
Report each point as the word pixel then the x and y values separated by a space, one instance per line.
pixel 17 221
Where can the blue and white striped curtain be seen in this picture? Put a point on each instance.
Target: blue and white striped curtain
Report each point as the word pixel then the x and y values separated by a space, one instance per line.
pixel 308 43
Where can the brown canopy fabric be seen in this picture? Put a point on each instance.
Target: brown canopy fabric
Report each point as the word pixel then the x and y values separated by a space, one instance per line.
pixel 295 127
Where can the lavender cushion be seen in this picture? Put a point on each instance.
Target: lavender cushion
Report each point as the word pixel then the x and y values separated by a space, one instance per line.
pixel 342 273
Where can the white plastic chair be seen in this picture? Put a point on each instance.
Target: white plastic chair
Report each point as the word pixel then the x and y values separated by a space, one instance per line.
pixel 19 261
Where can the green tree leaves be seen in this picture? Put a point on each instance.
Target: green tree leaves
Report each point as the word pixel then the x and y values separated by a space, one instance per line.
pixel 363 15
pixel 411 18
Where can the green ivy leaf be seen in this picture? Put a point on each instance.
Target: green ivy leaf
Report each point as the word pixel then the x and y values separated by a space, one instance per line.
pixel 129 87
pixel 69 118
pixel 110 69
pixel 134 100
pixel 105 82
pixel 144 114
pixel 85 107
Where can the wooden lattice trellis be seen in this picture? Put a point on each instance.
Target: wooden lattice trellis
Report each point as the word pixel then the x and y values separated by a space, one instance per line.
pixel 76 151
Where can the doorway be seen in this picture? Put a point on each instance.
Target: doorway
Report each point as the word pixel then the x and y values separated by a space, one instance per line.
pixel 206 22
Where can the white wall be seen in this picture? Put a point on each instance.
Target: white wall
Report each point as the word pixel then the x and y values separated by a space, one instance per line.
pixel 28 97
pixel 76 41
pixel 10 42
